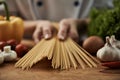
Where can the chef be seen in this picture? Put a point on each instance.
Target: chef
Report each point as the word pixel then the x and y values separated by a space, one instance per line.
pixel 38 15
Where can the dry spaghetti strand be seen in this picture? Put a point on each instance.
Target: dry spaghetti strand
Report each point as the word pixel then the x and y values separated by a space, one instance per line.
pixel 63 54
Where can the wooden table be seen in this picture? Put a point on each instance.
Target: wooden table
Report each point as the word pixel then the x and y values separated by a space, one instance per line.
pixel 43 71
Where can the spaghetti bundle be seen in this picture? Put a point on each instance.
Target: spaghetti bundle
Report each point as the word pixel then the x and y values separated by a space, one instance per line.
pixel 63 55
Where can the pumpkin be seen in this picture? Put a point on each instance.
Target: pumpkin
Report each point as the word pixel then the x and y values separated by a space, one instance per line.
pixel 11 27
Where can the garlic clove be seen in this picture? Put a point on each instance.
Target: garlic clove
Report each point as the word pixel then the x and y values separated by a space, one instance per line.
pixel 114 41
pixel 9 55
pixel 6 57
pixel 112 38
pixel 108 52
pixel 13 55
pixel 7 49
pixel 1 57
pixel 105 54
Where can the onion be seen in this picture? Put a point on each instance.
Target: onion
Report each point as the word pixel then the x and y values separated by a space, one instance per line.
pixel 92 44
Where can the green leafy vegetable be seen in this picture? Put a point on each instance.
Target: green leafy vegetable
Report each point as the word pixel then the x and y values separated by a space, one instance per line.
pixel 105 22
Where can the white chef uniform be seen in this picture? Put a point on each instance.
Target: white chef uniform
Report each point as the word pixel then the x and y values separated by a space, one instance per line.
pixel 54 10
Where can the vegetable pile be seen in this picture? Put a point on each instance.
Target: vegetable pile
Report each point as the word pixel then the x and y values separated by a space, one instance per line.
pixel 19 48
pixel 105 22
pixel 110 51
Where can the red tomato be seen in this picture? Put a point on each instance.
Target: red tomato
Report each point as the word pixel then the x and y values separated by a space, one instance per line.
pixel 21 50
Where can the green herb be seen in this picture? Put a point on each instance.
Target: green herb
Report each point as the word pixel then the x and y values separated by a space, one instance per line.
pixel 105 22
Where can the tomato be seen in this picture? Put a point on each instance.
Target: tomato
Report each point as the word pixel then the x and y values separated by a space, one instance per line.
pixel 21 50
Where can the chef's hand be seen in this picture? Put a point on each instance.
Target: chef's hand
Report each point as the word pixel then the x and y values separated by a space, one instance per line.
pixel 66 29
pixel 43 29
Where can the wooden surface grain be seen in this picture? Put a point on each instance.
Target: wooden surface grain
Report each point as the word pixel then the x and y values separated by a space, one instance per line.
pixel 44 71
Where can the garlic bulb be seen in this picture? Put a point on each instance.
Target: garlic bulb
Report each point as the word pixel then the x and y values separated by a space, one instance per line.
pixel 108 52
pixel 114 42
pixel 1 57
pixel 9 54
